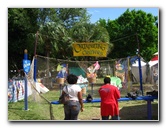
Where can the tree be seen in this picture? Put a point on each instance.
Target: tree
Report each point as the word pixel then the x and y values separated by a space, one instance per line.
pixel 87 32
pixel 58 28
pixel 123 30
pixel 21 22
pixel 53 37
pixel 54 31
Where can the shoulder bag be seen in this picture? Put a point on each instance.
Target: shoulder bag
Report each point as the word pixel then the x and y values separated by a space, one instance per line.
pixel 64 98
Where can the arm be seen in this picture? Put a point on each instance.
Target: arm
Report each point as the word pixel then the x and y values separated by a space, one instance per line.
pixel 80 100
pixel 63 92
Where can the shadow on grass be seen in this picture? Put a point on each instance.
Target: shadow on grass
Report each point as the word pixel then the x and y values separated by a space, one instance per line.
pixel 16 108
pixel 12 105
pixel 138 112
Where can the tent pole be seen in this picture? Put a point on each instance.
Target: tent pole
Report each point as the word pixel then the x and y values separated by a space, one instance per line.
pixel 139 61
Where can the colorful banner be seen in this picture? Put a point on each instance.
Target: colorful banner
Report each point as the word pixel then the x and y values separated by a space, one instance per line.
pixel 90 49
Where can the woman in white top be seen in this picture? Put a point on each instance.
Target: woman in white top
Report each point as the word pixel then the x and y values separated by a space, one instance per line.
pixel 75 104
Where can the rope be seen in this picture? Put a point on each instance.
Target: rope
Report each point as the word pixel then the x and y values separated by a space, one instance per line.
pixel 76 61
pixel 49 102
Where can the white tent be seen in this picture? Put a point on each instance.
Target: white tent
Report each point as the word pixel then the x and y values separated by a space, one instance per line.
pixel 135 71
pixel 155 53
pixel 136 64
pixel 153 64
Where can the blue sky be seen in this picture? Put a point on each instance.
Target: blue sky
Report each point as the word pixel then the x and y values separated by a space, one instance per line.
pixel 113 13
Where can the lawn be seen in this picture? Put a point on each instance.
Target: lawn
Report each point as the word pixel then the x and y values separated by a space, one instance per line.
pixel 40 110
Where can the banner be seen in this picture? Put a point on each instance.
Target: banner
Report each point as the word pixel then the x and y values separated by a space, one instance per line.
pixel 26 65
pixel 90 49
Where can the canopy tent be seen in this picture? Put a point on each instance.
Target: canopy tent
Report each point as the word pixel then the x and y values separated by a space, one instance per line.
pixel 135 71
pixel 155 53
pixel 155 58
pixel 136 64
pixel 153 64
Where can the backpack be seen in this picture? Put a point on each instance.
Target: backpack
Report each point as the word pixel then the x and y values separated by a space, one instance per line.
pixel 89 98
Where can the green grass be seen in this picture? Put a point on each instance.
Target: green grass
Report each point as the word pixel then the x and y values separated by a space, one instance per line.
pixel 129 110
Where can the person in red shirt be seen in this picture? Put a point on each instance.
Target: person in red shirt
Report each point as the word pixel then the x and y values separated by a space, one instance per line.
pixel 109 95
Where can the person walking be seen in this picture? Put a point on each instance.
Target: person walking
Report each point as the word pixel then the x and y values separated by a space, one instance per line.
pixel 109 100
pixel 75 103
